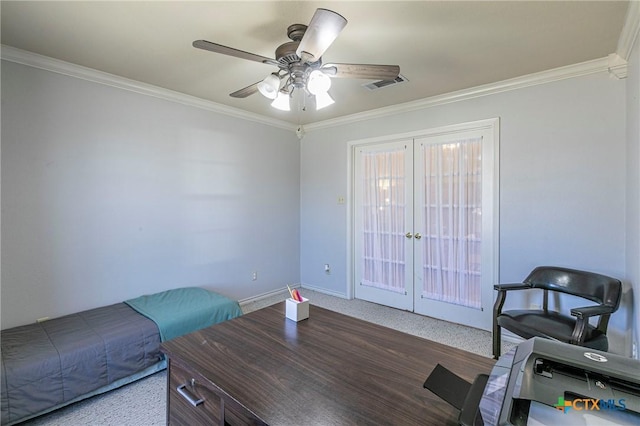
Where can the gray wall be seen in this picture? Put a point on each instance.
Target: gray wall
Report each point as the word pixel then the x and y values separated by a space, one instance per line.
pixel 562 182
pixel 108 194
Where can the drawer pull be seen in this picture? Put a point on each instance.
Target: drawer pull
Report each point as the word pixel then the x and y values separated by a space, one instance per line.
pixel 185 393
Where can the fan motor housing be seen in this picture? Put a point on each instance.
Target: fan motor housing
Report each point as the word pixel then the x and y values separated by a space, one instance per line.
pixel 296 31
pixel 286 54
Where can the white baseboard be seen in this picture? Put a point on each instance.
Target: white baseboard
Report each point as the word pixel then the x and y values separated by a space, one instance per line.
pixel 266 295
pixel 325 291
pixel 285 290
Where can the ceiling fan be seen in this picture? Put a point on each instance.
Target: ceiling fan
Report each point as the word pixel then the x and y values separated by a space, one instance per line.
pixel 300 63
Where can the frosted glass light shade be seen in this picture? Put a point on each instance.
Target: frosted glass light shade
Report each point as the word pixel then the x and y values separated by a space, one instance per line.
pixel 318 82
pixel 281 102
pixel 323 99
pixel 269 86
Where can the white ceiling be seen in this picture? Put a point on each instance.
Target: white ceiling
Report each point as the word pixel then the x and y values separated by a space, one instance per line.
pixel 441 46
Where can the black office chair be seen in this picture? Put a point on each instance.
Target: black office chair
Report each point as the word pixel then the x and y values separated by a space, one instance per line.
pixel 574 329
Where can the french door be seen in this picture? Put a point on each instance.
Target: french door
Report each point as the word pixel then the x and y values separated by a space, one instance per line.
pixel 424 213
pixel 384 223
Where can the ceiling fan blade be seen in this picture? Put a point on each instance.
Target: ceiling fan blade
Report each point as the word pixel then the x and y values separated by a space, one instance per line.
pixel 247 91
pixel 323 29
pixel 364 71
pixel 225 50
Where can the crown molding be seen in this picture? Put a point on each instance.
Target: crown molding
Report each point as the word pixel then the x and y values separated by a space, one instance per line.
pixel 630 30
pixel 544 77
pixel 46 63
pixel 616 67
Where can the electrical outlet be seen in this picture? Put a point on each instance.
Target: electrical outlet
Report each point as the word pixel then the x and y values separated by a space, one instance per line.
pixel 254 276
pixel 634 350
pixel 327 268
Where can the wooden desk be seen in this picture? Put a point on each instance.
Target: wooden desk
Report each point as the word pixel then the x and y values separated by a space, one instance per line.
pixel 330 369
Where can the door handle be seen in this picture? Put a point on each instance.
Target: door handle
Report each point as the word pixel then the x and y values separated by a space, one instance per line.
pixel 418 236
pixel 408 235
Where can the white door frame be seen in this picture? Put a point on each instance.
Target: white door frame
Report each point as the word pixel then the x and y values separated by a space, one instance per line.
pixel 491 123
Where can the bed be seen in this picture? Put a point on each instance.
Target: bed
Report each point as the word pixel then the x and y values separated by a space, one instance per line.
pixel 54 363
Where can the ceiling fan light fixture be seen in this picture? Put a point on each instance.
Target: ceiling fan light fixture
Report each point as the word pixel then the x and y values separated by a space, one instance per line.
pixel 281 101
pixel 301 73
pixel 270 86
pixel 323 99
pixel 318 82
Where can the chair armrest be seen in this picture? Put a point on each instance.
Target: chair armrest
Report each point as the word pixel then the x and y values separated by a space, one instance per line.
pixel 497 310
pixel 507 287
pixel 502 296
pixel 590 311
pixel 582 319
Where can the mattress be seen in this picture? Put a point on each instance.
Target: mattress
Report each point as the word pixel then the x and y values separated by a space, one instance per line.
pixel 47 364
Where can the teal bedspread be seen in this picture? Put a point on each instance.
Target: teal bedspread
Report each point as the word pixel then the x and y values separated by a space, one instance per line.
pixel 183 310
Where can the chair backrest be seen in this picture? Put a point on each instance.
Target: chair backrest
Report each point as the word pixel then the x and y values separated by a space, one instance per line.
pixel 598 288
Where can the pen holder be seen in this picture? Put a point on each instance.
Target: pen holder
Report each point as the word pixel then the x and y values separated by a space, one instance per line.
pixel 297 311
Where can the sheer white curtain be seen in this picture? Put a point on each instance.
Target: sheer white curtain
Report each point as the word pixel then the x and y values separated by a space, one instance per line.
pixel 384 207
pixel 453 222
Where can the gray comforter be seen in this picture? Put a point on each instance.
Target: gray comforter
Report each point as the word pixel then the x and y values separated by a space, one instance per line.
pixel 47 364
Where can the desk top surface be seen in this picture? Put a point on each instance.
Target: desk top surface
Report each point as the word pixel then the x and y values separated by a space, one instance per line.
pixel 330 369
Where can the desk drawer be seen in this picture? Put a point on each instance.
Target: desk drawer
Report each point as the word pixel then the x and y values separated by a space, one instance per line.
pixel 190 402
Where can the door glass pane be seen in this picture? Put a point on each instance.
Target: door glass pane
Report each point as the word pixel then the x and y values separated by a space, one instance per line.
pixel 453 222
pixel 383 212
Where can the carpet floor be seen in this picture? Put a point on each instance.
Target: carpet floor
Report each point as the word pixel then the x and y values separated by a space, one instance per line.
pixel 143 403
